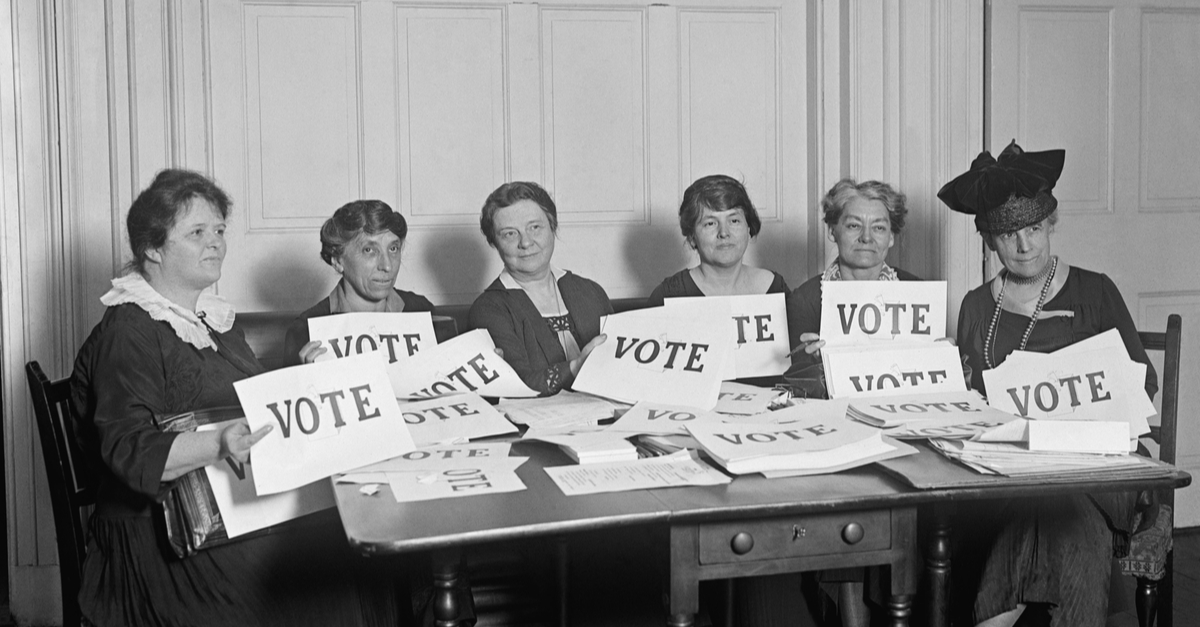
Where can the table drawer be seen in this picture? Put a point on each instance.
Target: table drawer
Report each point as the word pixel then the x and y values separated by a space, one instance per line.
pixel 795 536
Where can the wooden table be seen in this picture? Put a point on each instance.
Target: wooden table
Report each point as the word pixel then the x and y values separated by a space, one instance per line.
pixel 752 526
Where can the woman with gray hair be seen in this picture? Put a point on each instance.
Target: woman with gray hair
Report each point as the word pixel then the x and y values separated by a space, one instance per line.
pixel 864 220
pixel 362 241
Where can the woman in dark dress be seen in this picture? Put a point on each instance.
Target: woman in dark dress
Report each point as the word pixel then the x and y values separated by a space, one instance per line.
pixel 864 220
pixel 362 241
pixel 164 346
pixel 544 321
pixel 1055 554
pixel 718 221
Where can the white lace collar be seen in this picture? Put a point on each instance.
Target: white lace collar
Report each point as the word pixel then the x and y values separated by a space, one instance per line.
pixel 133 288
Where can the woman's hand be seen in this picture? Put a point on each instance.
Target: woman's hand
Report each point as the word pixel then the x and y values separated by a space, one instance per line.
pixel 309 352
pixel 236 440
pixel 577 363
pixel 810 343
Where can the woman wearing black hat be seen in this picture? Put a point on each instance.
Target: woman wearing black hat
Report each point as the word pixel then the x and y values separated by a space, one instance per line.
pixel 1055 554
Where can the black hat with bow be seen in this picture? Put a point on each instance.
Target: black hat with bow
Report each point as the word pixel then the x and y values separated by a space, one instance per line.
pixel 1009 193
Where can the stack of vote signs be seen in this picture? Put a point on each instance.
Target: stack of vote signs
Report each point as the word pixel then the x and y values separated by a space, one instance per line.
pixel 810 438
pixel 467 363
pixel 327 417
pixel 1087 397
pixel 946 415
pixel 879 339
pixel 757 327
pixel 399 335
pixel 653 356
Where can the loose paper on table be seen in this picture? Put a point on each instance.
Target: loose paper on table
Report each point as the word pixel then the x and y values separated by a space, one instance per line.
pixel 676 469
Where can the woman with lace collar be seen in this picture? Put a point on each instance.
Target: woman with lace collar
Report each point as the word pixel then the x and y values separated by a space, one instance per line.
pixel 166 346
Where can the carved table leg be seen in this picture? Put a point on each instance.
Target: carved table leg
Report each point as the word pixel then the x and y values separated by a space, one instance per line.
pixel 937 568
pixel 446 574
pixel 899 609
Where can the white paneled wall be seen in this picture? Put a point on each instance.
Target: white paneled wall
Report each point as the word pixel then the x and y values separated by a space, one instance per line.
pixel 298 107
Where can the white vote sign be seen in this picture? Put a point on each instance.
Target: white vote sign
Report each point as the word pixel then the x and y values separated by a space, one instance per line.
pixel 467 363
pixel 857 312
pixel 880 369
pixel 453 418
pixel 399 335
pixel 494 476
pixel 651 356
pixel 1103 385
pixel 660 419
pixel 758 326
pixel 328 417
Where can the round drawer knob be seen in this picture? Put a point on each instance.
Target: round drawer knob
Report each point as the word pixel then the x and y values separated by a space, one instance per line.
pixel 742 543
pixel 852 533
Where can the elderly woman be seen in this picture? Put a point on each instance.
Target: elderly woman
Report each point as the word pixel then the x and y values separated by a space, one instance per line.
pixel 864 220
pixel 362 241
pixel 545 321
pixel 165 346
pixel 718 221
pixel 1057 552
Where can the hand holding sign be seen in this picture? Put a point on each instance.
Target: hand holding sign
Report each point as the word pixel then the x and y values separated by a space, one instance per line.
pixel 467 363
pixel 399 335
pixel 331 417
pixel 858 312
pixel 655 357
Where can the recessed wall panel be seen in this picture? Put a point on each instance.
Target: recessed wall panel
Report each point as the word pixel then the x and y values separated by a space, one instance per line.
pixel 303 111
pixel 1065 100
pixel 594 113
pixel 451 117
pixel 1170 91
pixel 730 93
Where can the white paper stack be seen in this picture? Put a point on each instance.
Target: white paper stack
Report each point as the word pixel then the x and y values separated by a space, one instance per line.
pixel 1016 460
pixel 565 409
pixel 1088 384
pixel 591 447
pixel 950 415
pixel 805 440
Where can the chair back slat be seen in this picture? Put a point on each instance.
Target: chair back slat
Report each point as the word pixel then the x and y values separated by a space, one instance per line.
pixel 1170 343
pixel 72 488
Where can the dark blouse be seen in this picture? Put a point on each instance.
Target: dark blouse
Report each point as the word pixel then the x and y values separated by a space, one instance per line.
pixel 131 371
pixel 804 312
pixel 682 284
pixel 1057 550
pixel 530 346
pixel 1092 298
pixel 297 331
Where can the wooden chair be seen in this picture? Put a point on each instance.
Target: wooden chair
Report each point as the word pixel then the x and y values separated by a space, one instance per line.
pixel 72 491
pixel 1155 590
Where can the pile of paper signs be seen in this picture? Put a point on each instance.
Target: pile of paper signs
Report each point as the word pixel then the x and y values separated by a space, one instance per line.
pixel 947 415
pixel 811 437
pixel 1080 409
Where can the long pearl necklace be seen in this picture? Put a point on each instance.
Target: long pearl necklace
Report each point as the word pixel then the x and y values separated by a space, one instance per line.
pixel 989 346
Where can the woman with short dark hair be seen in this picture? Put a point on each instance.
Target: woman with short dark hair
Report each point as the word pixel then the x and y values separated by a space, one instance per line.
pixel 718 221
pixel 362 241
pixel 545 321
pixel 166 346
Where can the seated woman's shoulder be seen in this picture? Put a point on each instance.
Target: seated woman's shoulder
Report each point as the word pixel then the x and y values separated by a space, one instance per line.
pixel 767 281
pixel 905 275
pixel 414 302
